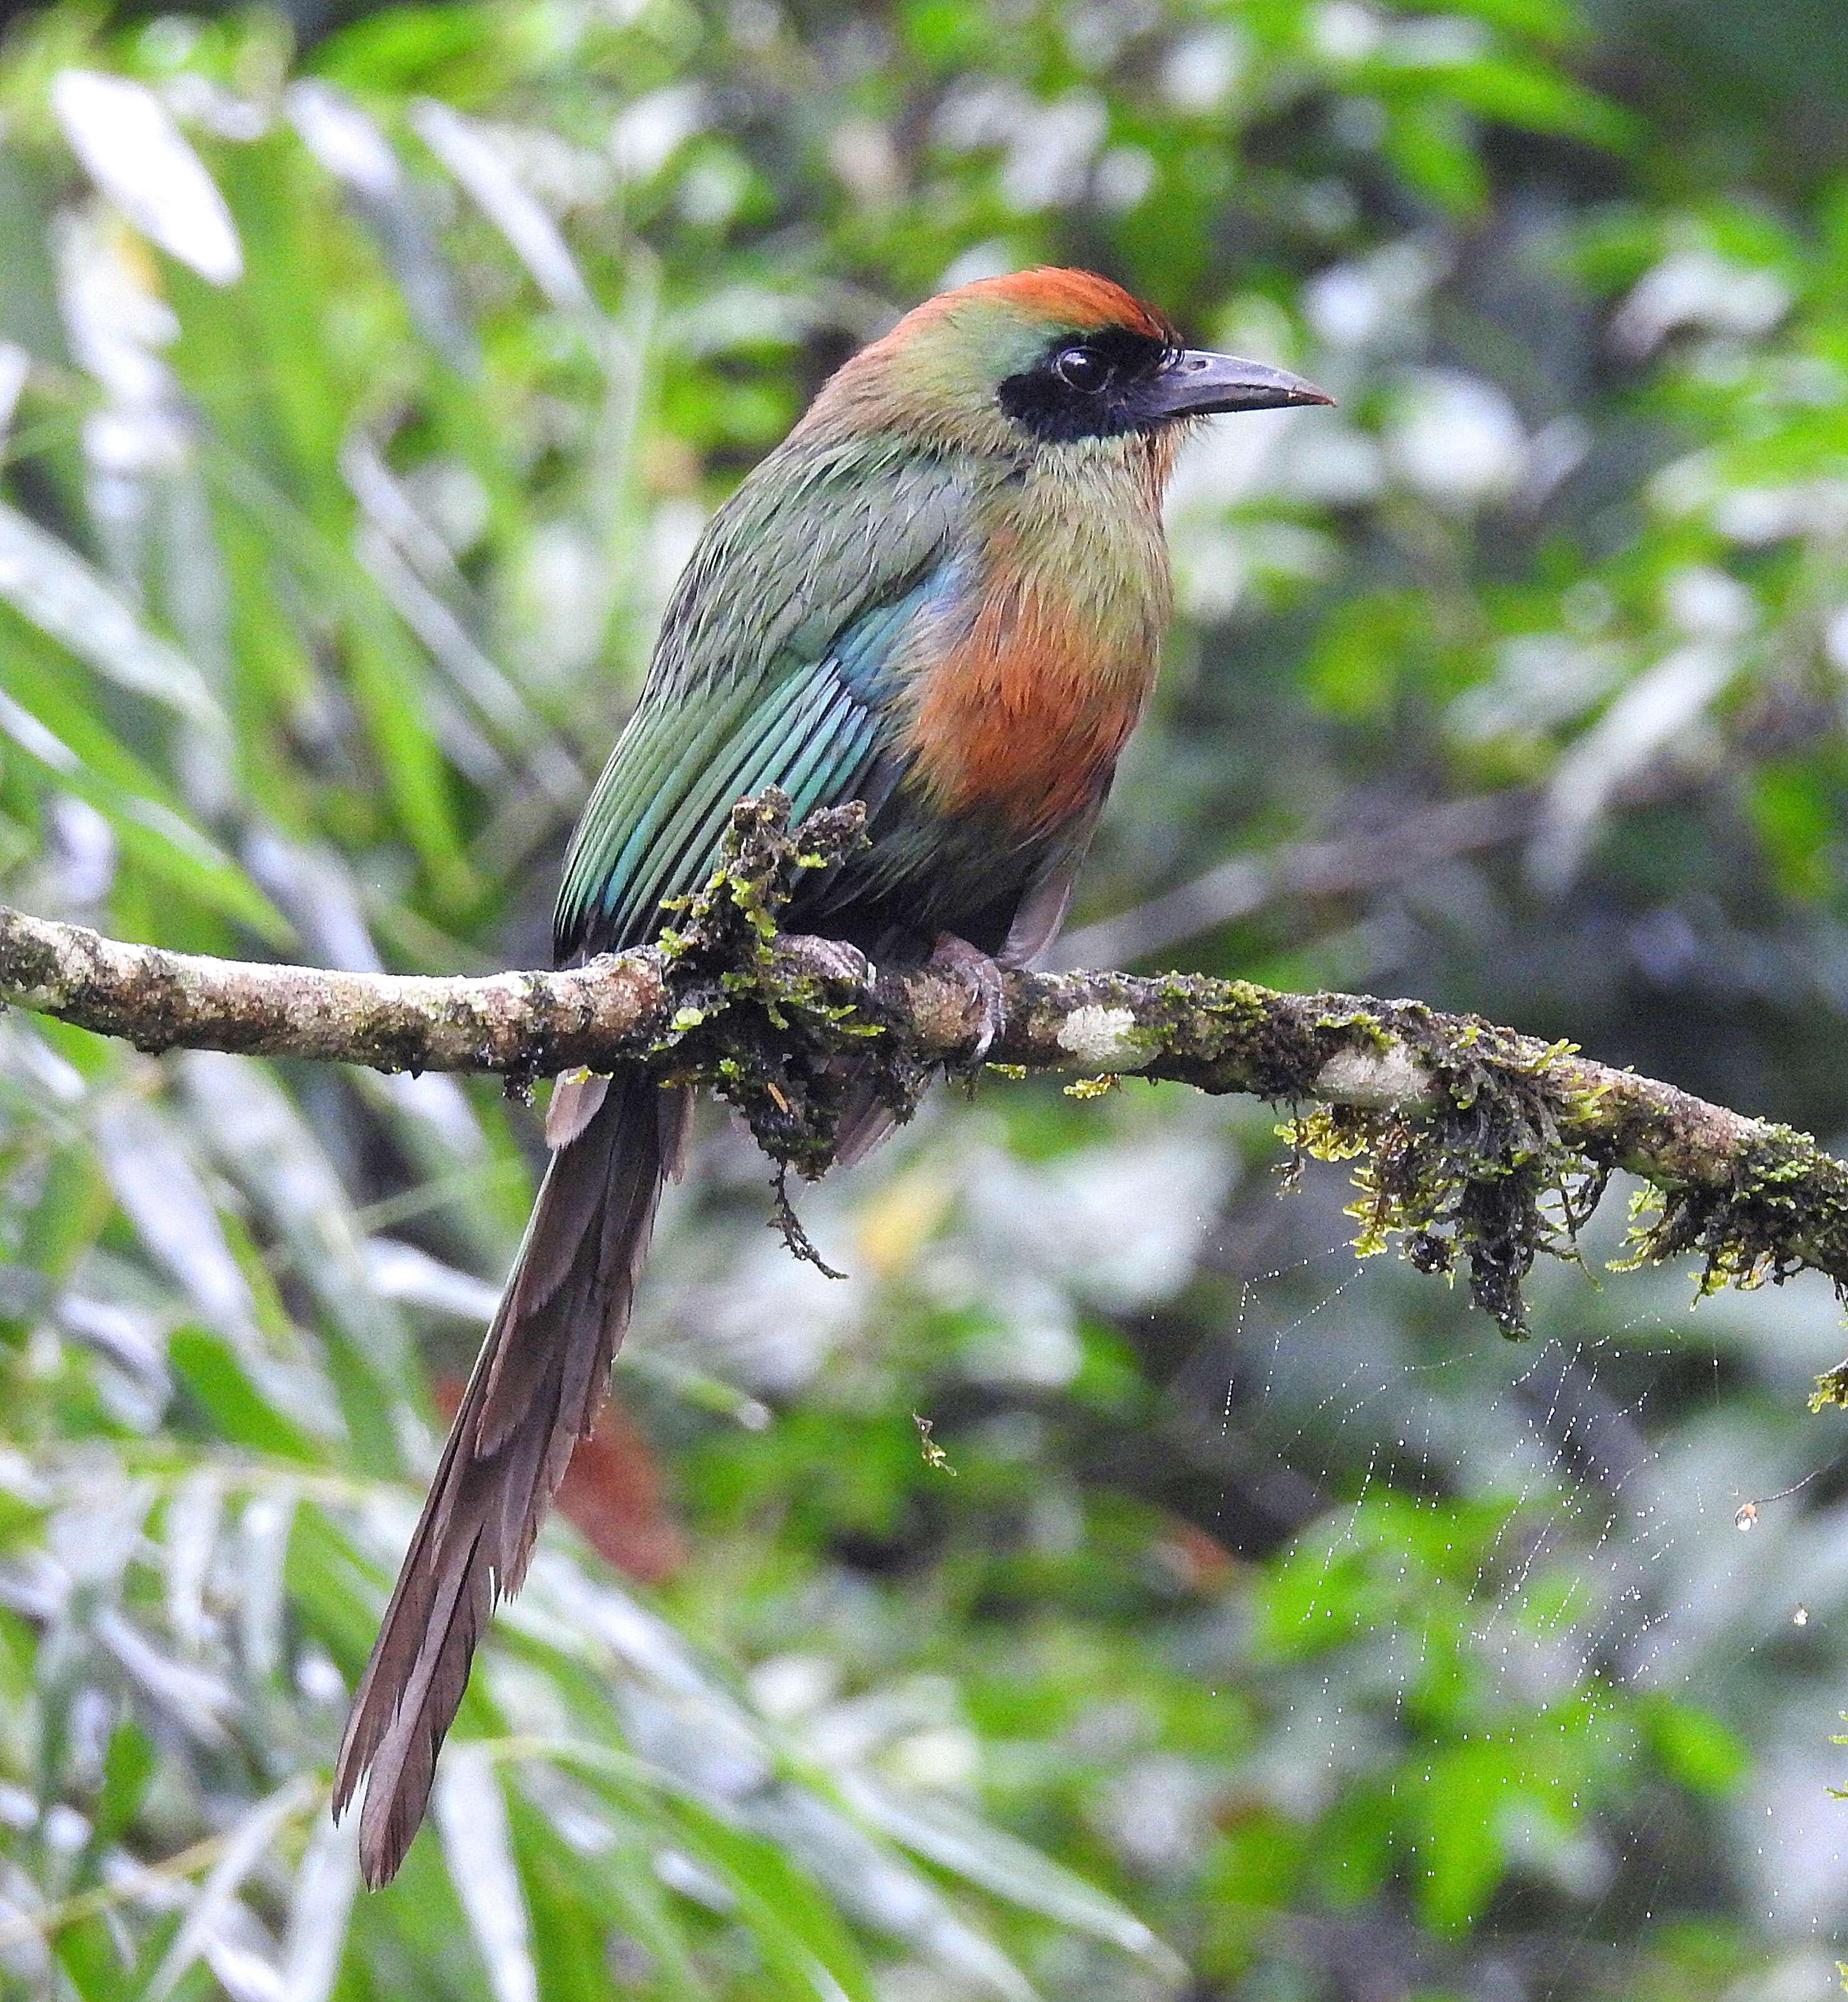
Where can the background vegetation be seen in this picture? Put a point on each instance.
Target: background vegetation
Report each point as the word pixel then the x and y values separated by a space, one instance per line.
pixel 1268 1628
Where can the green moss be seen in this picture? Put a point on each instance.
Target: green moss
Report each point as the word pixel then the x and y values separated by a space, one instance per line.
pixel 1759 1224
pixel 1328 1133
pixel 768 1036
pixel 1478 1177
pixel 1367 1027
pixel 1212 1019
pixel 1508 1158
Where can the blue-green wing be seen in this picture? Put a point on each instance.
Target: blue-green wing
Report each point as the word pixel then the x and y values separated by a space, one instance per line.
pixel 772 669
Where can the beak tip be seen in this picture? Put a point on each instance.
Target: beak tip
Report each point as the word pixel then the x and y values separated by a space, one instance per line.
pixel 1208 385
pixel 1301 393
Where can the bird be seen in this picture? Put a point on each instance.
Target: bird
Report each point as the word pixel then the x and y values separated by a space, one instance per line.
pixel 942 596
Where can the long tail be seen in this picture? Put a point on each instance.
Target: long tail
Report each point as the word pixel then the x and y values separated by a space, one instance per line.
pixel 535 1392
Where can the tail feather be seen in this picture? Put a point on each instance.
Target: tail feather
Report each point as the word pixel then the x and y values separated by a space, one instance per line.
pixel 534 1393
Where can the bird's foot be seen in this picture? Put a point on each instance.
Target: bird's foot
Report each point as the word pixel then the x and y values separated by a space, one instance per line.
pixel 826 959
pixel 980 973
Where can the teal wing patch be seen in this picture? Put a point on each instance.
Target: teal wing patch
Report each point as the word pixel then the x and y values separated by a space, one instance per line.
pixel 655 823
pixel 774 666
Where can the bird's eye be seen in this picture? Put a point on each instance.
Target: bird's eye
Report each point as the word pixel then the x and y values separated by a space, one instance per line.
pixel 1079 369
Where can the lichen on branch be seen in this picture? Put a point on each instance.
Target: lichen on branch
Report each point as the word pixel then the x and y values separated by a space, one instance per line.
pixel 1473 1147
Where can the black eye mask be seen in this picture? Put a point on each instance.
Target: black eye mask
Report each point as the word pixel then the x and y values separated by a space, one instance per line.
pixel 1117 381
pixel 1088 385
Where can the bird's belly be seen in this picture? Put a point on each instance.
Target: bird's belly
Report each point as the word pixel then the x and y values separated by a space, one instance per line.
pixel 924 874
pixel 1019 725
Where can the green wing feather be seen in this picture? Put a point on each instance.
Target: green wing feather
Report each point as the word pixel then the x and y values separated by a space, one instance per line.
pixel 775 666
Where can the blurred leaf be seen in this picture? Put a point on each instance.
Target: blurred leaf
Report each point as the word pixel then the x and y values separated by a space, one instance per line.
pixel 128 1768
pixel 243 1849
pixel 314 1943
pixel 82 761
pixel 804 1945
pixel 1695 1748
pixel 352 149
pixel 388 677
pixel 122 133
pixel 210 1369
pixel 526 226
pixel 945 1834
pixel 472 1818
pixel 1523 94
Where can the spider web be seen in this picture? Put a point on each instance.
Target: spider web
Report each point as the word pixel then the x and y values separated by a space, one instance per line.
pixel 1650 1527
pixel 1557 1519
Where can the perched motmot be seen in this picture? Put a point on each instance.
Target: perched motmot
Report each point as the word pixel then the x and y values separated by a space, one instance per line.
pixel 943 594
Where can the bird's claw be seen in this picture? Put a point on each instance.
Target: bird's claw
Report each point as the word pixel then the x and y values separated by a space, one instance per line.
pixel 979 973
pixel 828 959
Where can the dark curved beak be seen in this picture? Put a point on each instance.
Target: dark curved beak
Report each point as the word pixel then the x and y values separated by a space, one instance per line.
pixel 1199 384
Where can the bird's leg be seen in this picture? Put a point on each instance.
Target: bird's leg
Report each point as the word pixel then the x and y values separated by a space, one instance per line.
pixel 977 970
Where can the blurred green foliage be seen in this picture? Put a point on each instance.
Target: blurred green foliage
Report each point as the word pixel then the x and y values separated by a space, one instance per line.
pixel 1265 1628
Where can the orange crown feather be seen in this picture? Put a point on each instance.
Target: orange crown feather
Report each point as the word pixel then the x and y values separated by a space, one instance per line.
pixel 1079 300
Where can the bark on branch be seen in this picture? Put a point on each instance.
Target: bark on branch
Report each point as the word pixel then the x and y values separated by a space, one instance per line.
pixel 1475 1146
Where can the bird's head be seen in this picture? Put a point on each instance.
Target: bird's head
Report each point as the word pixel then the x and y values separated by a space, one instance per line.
pixel 1043 360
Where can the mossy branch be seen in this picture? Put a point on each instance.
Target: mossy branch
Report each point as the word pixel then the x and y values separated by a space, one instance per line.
pixel 1473 1145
